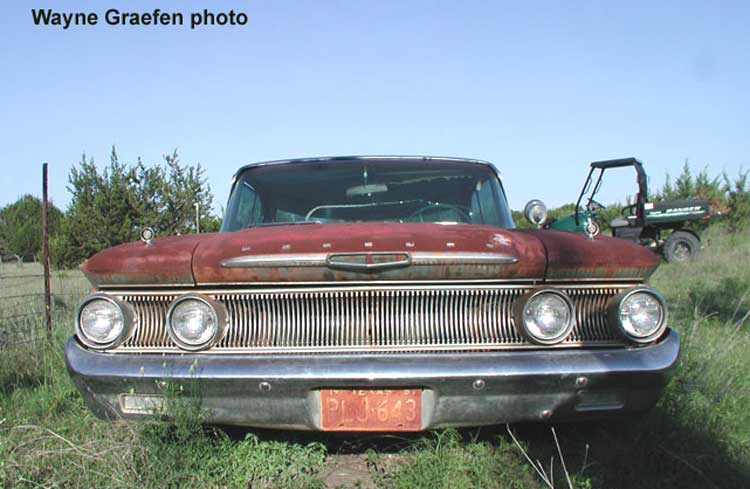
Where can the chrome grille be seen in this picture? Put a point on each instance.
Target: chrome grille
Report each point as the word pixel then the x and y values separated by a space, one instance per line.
pixel 444 318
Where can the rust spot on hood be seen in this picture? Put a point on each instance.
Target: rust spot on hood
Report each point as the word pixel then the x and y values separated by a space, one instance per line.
pixel 166 261
pixel 306 249
pixel 574 256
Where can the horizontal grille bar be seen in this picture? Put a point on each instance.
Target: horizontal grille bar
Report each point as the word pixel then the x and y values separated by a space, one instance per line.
pixel 371 319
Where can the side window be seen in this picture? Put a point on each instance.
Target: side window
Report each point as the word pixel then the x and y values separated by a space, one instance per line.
pixel 250 210
pixel 484 205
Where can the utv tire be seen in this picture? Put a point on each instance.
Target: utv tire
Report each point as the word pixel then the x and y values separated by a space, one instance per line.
pixel 681 246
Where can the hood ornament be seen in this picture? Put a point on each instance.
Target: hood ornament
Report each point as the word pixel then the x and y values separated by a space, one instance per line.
pixel 591 228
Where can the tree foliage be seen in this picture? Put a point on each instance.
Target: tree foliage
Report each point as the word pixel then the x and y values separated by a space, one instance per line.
pixel 738 201
pixel 110 206
pixel 21 226
pixel 698 186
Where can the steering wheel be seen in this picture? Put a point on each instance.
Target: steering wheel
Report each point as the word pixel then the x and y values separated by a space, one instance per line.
pixel 628 210
pixel 429 209
pixel 594 206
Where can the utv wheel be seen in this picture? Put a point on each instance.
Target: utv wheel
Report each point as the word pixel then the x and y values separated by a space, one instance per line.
pixel 681 246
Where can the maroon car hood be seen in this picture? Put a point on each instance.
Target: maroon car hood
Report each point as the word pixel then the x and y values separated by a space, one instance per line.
pixel 413 251
pixel 300 253
pixel 165 261
pixel 573 256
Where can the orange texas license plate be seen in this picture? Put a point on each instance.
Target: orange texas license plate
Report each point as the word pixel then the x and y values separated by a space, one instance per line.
pixel 371 410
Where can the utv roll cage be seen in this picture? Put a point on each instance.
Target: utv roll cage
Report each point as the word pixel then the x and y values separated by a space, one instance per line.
pixel 641 197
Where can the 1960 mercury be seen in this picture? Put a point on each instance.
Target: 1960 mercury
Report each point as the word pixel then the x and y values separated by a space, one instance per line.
pixel 373 294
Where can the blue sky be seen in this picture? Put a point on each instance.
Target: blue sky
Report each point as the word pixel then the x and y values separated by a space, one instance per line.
pixel 540 89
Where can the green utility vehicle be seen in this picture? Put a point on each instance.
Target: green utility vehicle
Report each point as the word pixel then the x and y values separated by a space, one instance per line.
pixel 659 225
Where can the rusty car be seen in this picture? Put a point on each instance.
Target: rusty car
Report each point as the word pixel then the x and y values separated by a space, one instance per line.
pixel 372 293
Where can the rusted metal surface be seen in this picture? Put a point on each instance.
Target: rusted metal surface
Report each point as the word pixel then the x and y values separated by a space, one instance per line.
pixel 525 254
pixel 573 256
pixel 371 409
pixel 163 262
pixel 302 254
pixel 371 319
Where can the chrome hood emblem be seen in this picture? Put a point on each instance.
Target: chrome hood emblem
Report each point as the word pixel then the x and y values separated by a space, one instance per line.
pixel 368 261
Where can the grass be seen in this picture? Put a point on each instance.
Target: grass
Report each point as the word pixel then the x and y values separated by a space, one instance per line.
pixel 50 439
pixel 698 436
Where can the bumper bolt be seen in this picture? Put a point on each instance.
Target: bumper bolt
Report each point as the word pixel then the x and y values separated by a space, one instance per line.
pixel 582 381
pixel 264 386
pixel 478 384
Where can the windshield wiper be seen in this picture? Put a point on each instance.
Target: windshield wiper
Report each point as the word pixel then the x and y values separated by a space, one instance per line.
pixel 283 223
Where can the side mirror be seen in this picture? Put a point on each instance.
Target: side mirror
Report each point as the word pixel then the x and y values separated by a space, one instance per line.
pixel 148 235
pixel 535 212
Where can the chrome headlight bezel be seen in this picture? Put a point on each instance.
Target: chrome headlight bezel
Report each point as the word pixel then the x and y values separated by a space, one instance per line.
pixel 220 317
pixel 519 316
pixel 129 322
pixel 614 308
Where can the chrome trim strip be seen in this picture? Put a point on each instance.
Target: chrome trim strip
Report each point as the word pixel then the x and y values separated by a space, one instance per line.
pixel 565 281
pixel 322 159
pixel 144 286
pixel 473 347
pixel 422 258
pixel 489 281
pixel 272 261
pixel 290 284
pixel 461 258
pixel 366 287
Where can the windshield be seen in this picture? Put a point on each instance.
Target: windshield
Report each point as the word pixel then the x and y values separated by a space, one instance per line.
pixel 367 190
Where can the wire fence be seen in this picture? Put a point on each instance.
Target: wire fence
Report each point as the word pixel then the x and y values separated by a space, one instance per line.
pixel 22 307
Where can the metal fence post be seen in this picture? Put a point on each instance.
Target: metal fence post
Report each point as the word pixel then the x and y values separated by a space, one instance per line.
pixel 45 254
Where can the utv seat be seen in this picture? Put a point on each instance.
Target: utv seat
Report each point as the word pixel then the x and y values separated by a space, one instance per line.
pixel 619 222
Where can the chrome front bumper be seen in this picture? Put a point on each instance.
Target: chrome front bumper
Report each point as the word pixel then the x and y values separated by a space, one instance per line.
pixel 460 389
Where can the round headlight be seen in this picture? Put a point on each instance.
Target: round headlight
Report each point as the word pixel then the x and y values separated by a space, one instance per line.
pixel 545 317
pixel 640 314
pixel 195 322
pixel 103 322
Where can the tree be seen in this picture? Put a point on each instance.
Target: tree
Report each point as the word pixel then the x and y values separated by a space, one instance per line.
pixel 166 196
pixel 738 201
pixel 111 206
pixel 21 226
pixel 687 186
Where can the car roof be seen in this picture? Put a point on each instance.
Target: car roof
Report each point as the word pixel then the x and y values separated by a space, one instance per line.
pixel 437 159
